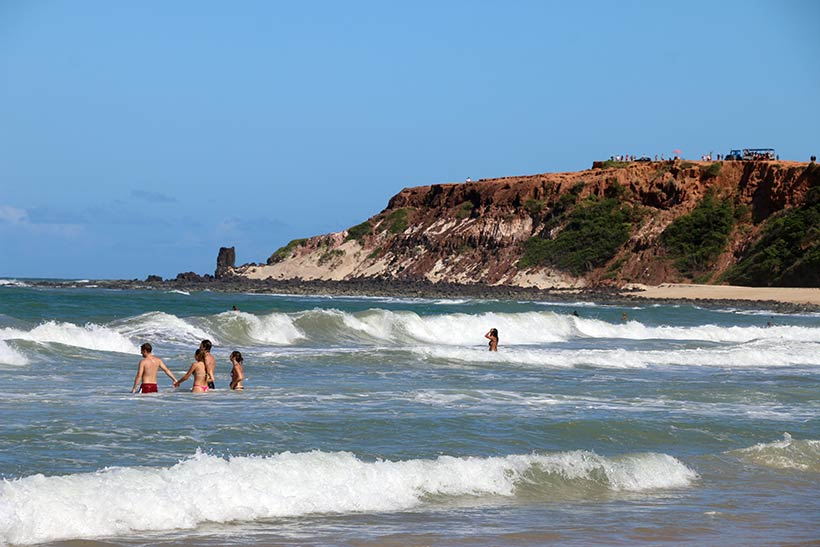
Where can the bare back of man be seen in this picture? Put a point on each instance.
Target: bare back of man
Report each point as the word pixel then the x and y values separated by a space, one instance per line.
pixel 210 368
pixel 147 371
pixel 210 362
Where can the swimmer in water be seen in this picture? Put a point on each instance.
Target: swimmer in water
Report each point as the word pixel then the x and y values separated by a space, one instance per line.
pixel 237 374
pixel 210 362
pixel 200 373
pixel 492 336
pixel 147 371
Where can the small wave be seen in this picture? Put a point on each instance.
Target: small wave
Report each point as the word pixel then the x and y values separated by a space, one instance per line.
pixel 527 328
pixel 177 291
pixel 207 488
pixel 164 327
pixel 12 283
pixel 91 336
pixel 10 356
pixel 789 453
pixel 754 355
pixel 241 327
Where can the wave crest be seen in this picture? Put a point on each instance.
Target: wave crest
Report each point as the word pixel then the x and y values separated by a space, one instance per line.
pixel 10 356
pixel 91 336
pixel 165 327
pixel 206 488
pixel 789 453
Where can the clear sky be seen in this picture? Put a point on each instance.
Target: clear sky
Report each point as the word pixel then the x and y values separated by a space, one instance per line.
pixel 137 138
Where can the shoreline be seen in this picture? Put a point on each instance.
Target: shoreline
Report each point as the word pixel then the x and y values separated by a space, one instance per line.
pixel 778 299
pixel 681 291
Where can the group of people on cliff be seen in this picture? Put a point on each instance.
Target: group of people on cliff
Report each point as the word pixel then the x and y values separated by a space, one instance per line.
pixel 203 369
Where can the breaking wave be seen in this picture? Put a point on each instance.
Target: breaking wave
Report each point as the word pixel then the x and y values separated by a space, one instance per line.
pixel 789 453
pixel 527 338
pixel 211 489
pixel 752 355
pixel 91 336
pixel 241 327
pixel 159 327
pixel 13 283
pixel 10 356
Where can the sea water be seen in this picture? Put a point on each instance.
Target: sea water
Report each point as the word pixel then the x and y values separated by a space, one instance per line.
pixel 385 421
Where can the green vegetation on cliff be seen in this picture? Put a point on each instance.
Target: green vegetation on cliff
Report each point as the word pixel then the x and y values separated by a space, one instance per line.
pixel 712 171
pixel 359 231
pixel 788 251
pixel 284 252
pixel 593 233
pixel 395 223
pixel 696 239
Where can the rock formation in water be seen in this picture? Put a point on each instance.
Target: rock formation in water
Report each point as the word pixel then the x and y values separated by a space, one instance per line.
pixel 225 262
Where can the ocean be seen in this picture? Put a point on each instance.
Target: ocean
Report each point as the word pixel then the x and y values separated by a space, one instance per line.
pixel 386 422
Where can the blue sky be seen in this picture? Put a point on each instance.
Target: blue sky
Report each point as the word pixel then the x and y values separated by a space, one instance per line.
pixel 137 138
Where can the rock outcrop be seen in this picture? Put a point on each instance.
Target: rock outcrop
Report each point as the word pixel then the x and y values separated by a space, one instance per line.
pixel 485 231
pixel 225 262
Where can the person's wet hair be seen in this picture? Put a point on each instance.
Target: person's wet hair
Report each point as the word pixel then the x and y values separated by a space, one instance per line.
pixel 206 345
pixel 237 356
pixel 199 355
pixel 146 347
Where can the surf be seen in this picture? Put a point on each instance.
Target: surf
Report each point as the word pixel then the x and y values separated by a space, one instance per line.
pixel 207 488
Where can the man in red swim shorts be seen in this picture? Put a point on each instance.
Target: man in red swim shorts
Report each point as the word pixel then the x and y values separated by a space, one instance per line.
pixel 147 371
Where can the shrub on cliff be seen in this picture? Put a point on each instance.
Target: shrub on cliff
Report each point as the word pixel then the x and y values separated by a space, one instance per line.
pixel 594 232
pixel 397 221
pixel 284 252
pixel 534 206
pixel 612 164
pixel 331 255
pixel 695 240
pixel 464 210
pixel 712 171
pixel 359 231
pixel 787 253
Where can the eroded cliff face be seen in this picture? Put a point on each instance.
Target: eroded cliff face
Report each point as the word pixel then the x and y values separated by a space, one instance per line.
pixel 474 232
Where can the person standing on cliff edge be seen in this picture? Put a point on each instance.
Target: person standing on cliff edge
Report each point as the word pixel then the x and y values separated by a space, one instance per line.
pixel 492 336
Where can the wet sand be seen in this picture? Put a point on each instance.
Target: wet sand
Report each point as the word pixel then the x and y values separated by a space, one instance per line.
pixel 673 291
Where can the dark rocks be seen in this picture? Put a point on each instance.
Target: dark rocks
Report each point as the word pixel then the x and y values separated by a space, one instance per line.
pixel 225 262
pixel 189 277
pixel 383 286
pixel 153 279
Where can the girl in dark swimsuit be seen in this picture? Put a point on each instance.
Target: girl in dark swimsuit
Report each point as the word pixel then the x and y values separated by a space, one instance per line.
pixel 492 336
pixel 237 374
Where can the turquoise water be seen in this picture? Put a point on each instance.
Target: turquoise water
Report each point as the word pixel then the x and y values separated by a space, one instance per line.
pixel 379 421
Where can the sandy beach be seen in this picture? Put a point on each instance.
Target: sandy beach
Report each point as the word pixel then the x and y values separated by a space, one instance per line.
pixel 728 292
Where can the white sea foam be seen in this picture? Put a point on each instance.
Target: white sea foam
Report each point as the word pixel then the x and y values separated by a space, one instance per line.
pixel 162 327
pixel 752 355
pixel 274 328
pixel 13 283
pixel 90 336
pixel 10 356
pixel 206 488
pixel 522 328
pixel 539 402
pixel 788 453
pixel 380 326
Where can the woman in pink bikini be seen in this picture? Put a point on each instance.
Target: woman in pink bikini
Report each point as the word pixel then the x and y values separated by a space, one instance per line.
pixel 201 376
